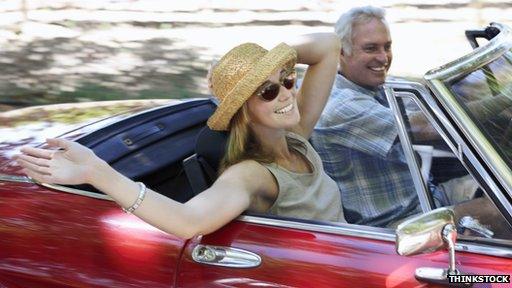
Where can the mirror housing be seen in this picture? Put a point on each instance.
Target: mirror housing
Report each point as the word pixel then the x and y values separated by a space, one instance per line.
pixel 427 233
pixel 423 233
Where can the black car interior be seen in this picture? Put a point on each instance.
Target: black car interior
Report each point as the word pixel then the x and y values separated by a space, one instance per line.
pixel 168 148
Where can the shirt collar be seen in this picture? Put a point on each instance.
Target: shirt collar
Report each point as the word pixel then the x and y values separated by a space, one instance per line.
pixel 344 83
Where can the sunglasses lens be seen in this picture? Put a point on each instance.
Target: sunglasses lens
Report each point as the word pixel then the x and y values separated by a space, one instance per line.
pixel 288 82
pixel 270 92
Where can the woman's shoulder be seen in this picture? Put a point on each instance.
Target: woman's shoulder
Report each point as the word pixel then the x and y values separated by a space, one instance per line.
pixel 250 169
pixel 251 174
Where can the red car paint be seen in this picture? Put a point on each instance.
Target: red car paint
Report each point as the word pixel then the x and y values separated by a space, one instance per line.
pixel 51 238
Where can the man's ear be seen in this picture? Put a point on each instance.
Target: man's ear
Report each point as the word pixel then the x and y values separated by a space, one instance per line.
pixel 342 56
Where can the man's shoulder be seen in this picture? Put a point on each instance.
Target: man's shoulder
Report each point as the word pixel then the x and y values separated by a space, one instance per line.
pixel 345 97
pixel 344 94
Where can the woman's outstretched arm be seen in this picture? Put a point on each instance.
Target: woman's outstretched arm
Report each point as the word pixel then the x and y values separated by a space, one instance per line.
pixel 228 197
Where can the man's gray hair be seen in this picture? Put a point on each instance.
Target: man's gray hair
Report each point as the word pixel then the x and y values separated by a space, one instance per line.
pixel 345 24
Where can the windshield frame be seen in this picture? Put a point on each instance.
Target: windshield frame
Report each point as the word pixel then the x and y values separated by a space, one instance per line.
pixel 439 81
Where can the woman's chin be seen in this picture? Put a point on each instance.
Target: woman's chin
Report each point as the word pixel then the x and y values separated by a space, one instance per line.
pixel 291 120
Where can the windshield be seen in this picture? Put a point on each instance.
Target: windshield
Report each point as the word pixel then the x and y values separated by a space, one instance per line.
pixel 486 95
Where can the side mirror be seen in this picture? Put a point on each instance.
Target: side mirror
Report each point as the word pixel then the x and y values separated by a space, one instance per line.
pixel 423 233
pixel 427 233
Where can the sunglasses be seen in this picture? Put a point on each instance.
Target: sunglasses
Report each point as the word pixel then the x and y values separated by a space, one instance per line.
pixel 270 90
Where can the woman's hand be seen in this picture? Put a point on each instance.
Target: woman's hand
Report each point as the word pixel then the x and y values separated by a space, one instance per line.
pixel 321 52
pixel 71 164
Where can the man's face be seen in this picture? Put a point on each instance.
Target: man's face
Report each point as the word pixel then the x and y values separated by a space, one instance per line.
pixel 371 55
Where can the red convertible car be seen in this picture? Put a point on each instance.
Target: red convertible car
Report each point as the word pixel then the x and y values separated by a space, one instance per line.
pixel 74 236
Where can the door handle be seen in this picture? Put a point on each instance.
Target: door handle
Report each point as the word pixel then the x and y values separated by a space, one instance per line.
pixel 225 256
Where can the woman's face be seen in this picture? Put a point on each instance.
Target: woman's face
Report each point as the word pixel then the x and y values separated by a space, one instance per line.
pixel 280 112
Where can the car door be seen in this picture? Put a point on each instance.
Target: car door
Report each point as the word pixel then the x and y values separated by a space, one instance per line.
pixel 52 238
pixel 296 253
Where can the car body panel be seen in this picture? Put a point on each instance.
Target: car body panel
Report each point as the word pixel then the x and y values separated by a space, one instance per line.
pixel 306 258
pixel 55 239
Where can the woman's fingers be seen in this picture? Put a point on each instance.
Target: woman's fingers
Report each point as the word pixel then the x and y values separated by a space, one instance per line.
pixel 45 170
pixel 38 152
pixel 35 160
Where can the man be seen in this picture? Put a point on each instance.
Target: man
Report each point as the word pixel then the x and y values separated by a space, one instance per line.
pixel 356 135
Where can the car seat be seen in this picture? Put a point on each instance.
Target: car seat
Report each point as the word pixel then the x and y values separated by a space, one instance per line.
pixel 202 167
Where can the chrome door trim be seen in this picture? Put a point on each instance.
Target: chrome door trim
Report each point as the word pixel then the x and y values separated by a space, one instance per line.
pixel 376 233
pixel 74 191
pixel 16 178
pixel 484 249
pixel 60 188
pixel 225 256
pixel 414 169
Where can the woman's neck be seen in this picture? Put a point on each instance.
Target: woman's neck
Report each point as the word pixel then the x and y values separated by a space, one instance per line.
pixel 273 142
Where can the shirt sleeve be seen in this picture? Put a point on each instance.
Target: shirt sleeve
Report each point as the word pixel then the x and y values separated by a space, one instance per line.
pixel 357 121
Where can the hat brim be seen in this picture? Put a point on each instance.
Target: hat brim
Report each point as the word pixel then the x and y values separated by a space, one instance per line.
pixel 274 59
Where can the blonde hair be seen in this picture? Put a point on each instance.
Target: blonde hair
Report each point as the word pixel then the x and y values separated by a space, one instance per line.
pixel 242 143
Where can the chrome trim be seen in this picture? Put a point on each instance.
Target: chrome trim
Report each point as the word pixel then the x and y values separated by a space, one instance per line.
pixel 60 188
pixel 439 115
pixel 368 232
pixel 484 249
pixel 474 136
pixel 468 222
pixel 476 59
pixel 80 192
pixel 16 178
pixel 450 236
pixel 414 169
pixel 436 79
pixel 346 229
pixel 225 256
pixel 460 147
pixel 423 233
pixel 431 275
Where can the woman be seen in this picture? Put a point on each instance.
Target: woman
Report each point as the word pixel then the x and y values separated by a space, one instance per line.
pixel 268 166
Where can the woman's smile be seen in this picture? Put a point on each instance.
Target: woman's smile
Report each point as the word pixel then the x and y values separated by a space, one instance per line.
pixel 285 109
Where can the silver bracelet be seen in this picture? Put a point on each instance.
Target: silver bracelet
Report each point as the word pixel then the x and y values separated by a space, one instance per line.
pixel 140 198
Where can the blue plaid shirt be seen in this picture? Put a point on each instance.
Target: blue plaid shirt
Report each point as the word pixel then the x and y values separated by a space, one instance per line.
pixel 356 138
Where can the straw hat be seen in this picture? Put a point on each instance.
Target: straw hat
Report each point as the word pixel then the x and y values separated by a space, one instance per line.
pixel 239 73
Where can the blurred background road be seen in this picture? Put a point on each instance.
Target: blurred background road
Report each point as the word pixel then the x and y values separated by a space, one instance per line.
pixel 68 50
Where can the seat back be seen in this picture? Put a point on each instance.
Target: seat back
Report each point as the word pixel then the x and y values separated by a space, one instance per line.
pixel 202 167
